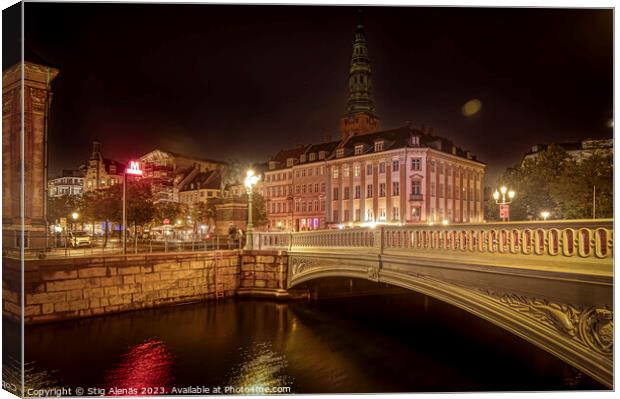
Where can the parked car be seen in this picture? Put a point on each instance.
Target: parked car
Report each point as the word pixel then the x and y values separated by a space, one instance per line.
pixel 79 239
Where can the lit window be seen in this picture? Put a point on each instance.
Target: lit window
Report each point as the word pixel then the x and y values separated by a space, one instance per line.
pixel 395 165
pixel 378 145
pixel 335 172
pixel 369 170
pixel 382 167
pixel 382 190
pixel 415 164
pixel 356 170
pixel 359 149
pixel 395 188
pixel 339 152
pixel 345 170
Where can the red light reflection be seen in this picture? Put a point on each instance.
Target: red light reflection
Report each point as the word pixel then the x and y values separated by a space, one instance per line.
pixel 145 366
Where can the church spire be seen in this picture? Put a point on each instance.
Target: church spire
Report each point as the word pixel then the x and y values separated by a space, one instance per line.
pixel 359 117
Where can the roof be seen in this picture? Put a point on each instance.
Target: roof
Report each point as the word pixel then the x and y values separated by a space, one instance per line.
pixel 109 162
pixel 586 144
pixel 210 180
pixel 400 138
pixel 281 157
pixel 179 155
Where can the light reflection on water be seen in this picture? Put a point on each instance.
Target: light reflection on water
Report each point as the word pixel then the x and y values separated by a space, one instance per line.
pixel 373 344
pixel 260 367
pixel 148 364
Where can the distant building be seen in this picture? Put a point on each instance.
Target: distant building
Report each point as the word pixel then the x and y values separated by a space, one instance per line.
pixel 70 182
pixel 167 171
pixel 578 150
pixel 102 172
pixel 277 188
pixel 203 187
pixel 398 176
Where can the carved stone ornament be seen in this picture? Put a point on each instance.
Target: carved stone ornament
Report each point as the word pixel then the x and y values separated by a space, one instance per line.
pixel 592 326
pixel 38 97
pixel 300 264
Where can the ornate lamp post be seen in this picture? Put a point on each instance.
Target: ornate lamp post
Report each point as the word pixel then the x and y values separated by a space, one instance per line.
pixel 545 214
pixel 504 207
pixel 75 217
pixel 250 181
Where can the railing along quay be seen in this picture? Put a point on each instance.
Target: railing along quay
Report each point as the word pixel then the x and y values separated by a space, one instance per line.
pixel 573 238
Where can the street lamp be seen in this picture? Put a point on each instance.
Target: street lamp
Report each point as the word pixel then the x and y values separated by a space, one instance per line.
pixel 504 202
pixel 545 214
pixel 250 181
pixel 75 217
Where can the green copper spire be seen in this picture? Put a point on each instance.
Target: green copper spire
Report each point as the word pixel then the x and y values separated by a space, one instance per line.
pixel 359 117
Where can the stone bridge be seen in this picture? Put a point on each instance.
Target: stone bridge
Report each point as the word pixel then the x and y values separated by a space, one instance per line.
pixel 551 283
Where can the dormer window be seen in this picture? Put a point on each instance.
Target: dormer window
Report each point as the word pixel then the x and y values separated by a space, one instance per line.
pixel 302 158
pixel 339 152
pixel 312 156
pixel 378 145
pixel 321 154
pixel 415 141
pixel 290 162
pixel 272 165
pixel 359 149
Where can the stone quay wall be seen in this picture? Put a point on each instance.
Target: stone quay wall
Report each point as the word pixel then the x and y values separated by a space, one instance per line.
pixel 60 289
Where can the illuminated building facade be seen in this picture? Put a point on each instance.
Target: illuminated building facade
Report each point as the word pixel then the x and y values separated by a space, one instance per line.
pixel 70 182
pixel 102 172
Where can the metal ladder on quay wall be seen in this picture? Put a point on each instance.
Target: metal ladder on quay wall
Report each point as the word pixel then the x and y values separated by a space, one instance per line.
pixel 219 287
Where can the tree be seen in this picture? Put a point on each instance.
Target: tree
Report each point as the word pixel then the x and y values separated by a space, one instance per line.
pixel 169 210
pixel 63 207
pixel 560 184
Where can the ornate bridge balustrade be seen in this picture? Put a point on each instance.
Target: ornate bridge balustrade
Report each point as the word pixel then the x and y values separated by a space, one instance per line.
pixel 550 283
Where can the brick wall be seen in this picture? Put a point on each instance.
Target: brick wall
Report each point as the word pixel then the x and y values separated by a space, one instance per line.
pixel 58 289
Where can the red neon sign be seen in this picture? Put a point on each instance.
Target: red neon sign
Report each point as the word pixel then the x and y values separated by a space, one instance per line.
pixel 134 168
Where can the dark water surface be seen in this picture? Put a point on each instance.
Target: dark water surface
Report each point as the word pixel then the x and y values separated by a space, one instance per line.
pixel 392 343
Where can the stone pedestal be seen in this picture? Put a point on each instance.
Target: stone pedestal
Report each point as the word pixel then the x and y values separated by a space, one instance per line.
pixel 235 213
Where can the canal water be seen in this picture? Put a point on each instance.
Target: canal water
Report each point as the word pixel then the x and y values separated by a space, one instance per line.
pixel 389 343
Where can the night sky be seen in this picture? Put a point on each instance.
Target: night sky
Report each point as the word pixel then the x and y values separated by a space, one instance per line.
pixel 245 81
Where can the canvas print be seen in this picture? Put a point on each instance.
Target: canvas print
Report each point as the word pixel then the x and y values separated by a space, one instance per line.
pixel 233 199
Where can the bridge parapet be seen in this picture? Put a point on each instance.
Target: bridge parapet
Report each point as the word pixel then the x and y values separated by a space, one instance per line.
pixel 581 239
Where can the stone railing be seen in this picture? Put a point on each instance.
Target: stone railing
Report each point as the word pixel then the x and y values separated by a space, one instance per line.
pixel 575 238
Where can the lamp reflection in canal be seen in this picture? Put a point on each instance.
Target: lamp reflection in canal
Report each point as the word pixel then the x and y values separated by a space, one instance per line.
pixel 145 365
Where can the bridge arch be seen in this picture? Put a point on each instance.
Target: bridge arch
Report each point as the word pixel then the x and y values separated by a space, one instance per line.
pixel 580 336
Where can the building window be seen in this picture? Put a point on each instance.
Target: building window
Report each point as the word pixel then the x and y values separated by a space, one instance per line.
pixel 432 166
pixel 395 188
pixel 312 156
pixel 303 172
pixel 395 213
pixel 297 206
pixel 415 187
pixel 395 165
pixel 303 188
pixel 357 192
pixel 441 169
pixel 309 188
pixel 335 193
pixel 359 149
pixel 378 145
pixel 415 213
pixel 433 188
pixel 322 202
pixel 346 215
pixel 369 170
pixel 441 193
pixel 339 152
pixel 415 164
pixel 297 189
pixel 335 215
pixel 382 190
pixel 357 214
pixel 335 172
pixel 310 172
pixel 381 213
pixel 321 154
pixel 356 170
pixel 346 193
pixel 315 204
pixel 345 170
pixel 316 187
pixel 382 167
pixel 449 193
pixel 322 187
pixel 369 191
